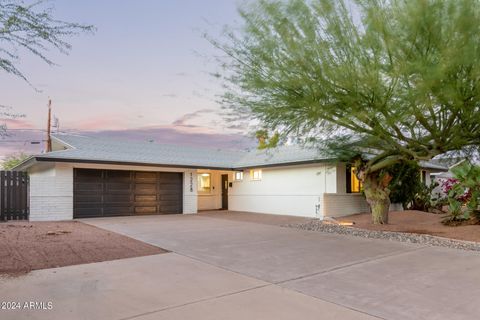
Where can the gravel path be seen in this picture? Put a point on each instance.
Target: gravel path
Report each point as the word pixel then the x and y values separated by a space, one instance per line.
pixel 425 239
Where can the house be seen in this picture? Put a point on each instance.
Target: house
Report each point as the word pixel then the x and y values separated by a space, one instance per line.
pixel 90 177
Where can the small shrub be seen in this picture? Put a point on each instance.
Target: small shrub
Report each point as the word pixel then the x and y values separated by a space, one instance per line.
pixel 423 199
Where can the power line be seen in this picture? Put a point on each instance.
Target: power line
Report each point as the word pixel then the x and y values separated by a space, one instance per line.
pixel 19 129
pixel 28 140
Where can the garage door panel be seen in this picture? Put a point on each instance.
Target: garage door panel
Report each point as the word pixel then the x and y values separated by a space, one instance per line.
pixel 148 176
pixel 170 209
pixel 169 186
pixel 94 198
pixel 140 185
pixel 145 203
pixel 87 175
pixel 146 198
pixel 83 196
pixel 124 193
pixel 168 192
pixel 88 212
pixel 118 210
pixel 89 186
pixel 117 198
pixel 169 176
pixel 146 209
pixel 168 202
pixel 119 192
pixel 169 197
pixel 118 175
pixel 127 186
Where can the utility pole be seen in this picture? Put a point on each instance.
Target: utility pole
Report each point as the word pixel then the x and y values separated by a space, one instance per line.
pixel 49 138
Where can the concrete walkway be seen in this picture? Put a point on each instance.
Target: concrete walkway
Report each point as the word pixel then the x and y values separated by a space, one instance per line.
pixel 241 266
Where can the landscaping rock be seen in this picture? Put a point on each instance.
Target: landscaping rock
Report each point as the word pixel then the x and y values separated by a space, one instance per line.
pixel 424 239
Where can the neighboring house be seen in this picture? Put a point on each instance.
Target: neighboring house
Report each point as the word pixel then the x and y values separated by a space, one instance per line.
pixel 91 177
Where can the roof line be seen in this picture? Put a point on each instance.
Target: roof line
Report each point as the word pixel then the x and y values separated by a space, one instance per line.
pixel 145 164
pixel 281 164
pixel 34 159
pixel 128 163
pixel 24 164
pixel 62 142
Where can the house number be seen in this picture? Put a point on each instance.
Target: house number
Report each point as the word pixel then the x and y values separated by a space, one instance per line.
pixel 191 182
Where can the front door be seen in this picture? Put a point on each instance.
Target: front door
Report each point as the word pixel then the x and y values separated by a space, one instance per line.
pixel 224 191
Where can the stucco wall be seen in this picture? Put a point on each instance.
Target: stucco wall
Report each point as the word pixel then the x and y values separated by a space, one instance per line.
pixel 51 188
pixel 293 190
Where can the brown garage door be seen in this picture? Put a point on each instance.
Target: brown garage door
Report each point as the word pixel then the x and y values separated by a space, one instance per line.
pixel 103 193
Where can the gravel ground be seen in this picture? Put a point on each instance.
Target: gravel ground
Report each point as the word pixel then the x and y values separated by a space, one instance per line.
pixel 424 239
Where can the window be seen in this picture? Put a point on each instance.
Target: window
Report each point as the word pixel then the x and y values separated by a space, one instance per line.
pixel 204 182
pixel 353 184
pixel 256 174
pixel 239 176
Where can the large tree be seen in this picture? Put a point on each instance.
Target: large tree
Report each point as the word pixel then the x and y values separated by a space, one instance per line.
pixel 12 160
pixel 379 81
pixel 31 28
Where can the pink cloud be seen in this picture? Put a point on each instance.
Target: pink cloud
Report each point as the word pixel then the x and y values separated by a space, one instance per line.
pixel 171 135
pixel 17 123
pixel 105 122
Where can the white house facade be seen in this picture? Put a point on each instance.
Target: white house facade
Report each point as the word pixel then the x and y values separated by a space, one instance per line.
pixel 86 177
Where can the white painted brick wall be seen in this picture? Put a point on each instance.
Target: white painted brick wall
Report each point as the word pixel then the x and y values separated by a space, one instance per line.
pixel 190 198
pixel 51 193
pixel 338 205
pixel 51 189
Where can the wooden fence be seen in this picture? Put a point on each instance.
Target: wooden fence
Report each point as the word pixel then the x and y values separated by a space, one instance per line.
pixel 14 189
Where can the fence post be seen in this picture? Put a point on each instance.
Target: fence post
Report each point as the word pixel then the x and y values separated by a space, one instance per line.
pixel 14 199
pixel 2 196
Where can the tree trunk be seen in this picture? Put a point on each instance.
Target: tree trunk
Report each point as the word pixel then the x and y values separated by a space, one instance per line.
pixel 378 197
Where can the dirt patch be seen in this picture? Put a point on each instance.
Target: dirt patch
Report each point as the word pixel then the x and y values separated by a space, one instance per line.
pixel 26 246
pixel 417 222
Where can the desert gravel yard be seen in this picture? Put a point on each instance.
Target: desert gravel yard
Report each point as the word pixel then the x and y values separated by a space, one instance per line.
pixel 404 226
pixel 419 222
pixel 26 246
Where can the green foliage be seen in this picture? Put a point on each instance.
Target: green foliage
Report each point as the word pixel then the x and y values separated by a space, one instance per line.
pixel 400 79
pixel 264 141
pixel 32 28
pixel 466 190
pixel 406 182
pixel 11 160
pixel 423 199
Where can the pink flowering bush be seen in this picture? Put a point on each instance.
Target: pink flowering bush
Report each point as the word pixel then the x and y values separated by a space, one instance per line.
pixel 463 193
pixel 450 184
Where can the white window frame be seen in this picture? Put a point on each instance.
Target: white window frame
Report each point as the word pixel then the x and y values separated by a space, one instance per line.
pixel 198 187
pixel 238 175
pixel 256 174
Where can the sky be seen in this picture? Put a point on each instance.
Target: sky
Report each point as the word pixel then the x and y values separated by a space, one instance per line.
pixel 144 74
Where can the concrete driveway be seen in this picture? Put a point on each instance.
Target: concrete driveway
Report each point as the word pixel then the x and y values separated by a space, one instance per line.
pixel 240 266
